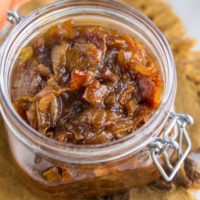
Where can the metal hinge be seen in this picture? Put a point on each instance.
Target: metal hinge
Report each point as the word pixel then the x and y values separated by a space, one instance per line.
pixel 173 136
pixel 14 17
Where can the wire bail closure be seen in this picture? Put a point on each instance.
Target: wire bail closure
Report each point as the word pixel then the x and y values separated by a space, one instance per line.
pixel 173 135
pixel 14 17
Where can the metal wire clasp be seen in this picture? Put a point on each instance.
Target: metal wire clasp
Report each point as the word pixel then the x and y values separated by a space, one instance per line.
pixel 173 136
pixel 14 17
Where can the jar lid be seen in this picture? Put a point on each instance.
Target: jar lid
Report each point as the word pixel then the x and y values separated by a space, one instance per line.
pixel 8 5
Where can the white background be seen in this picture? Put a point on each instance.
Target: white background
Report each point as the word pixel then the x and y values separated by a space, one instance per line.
pixel 189 12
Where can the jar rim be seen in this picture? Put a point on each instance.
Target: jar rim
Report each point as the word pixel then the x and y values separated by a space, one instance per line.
pixel 95 153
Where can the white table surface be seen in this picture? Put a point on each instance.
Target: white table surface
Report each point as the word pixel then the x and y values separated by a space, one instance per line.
pixel 189 12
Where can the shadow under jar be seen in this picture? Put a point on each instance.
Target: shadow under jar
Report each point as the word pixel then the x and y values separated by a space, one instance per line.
pixel 79 171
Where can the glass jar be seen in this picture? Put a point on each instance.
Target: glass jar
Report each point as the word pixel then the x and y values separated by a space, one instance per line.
pixel 75 171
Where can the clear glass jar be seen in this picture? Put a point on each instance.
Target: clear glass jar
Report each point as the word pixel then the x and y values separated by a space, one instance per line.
pixel 78 171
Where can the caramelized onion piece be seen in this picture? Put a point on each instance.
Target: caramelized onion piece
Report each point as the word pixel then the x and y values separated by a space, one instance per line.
pixel 126 94
pixel 107 74
pixel 82 56
pixel 88 50
pixel 96 36
pixel 52 174
pixel 31 114
pixel 22 104
pixel 101 138
pixel 26 54
pixel 92 117
pixel 43 107
pixel 58 32
pixel 27 81
pixel 44 71
pixel 130 106
pixel 46 108
pixel 58 57
pixel 80 79
pixel 95 93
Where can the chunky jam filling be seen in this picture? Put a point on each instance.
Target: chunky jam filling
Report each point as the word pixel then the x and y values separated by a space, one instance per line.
pixel 86 84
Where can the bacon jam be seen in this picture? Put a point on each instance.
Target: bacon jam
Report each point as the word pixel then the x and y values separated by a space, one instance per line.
pixel 86 84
